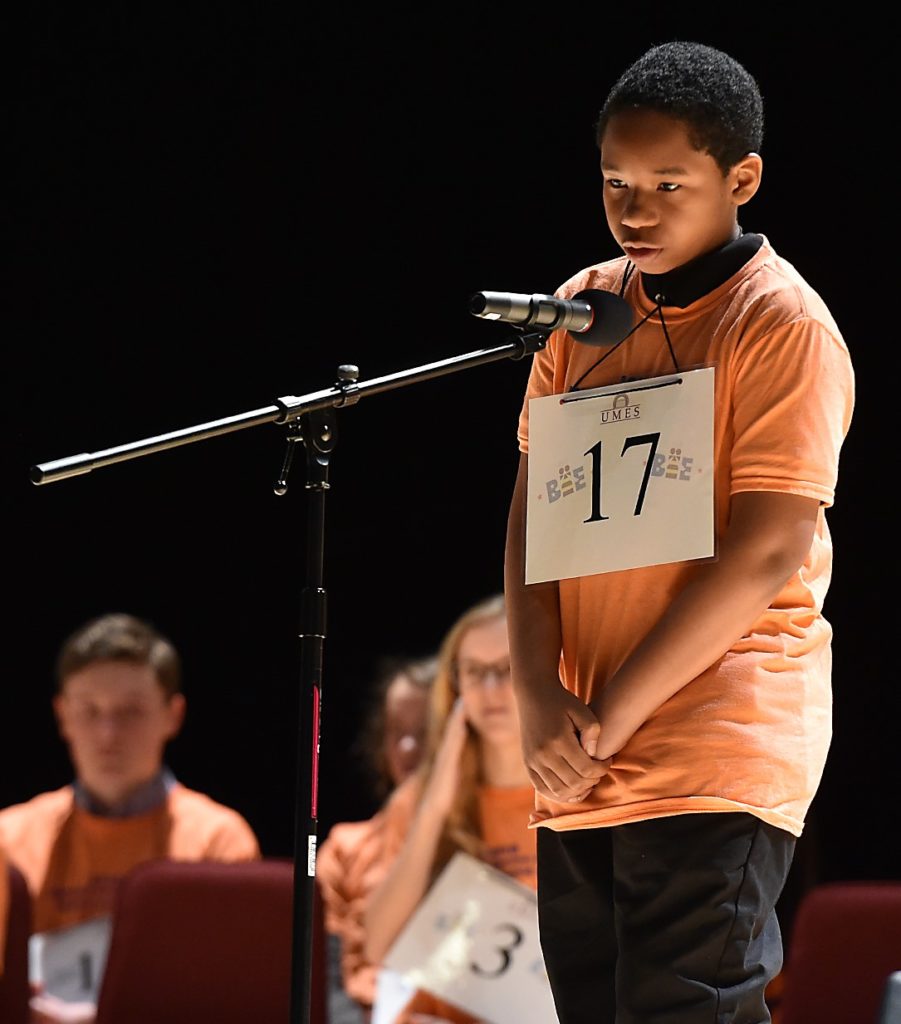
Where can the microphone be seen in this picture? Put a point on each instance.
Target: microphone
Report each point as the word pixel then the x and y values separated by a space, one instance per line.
pixel 592 316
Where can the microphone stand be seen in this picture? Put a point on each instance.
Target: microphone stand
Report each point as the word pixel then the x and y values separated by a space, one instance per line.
pixel 309 419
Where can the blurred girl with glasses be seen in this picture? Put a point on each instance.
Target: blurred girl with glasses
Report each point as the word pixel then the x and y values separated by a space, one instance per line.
pixel 471 791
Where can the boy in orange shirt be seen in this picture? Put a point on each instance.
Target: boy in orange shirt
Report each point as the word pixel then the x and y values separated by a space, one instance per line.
pixel 676 717
pixel 118 704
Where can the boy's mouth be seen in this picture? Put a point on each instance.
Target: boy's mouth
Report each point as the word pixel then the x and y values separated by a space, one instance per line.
pixel 639 252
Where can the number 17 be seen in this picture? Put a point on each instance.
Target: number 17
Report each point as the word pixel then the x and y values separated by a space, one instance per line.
pixel 594 451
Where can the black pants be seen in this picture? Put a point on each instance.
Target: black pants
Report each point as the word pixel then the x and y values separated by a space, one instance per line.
pixel 663 921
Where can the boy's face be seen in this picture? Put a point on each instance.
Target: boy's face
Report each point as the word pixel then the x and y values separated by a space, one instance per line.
pixel 667 202
pixel 116 720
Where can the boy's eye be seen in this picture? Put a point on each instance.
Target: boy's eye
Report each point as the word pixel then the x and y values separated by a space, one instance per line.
pixel 615 183
pixel 667 186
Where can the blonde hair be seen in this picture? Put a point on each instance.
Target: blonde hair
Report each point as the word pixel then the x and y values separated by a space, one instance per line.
pixel 461 829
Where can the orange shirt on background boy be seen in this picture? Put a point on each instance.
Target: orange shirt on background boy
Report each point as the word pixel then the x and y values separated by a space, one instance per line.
pixel 72 860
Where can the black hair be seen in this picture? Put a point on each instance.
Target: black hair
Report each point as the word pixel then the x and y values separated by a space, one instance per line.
pixel 717 98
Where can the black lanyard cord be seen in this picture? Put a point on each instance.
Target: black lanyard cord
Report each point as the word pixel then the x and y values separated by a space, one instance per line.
pixel 660 299
pixel 610 351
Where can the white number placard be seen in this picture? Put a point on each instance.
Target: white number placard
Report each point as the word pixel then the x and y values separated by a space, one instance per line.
pixel 620 477
pixel 70 962
pixel 473 941
pixel 392 993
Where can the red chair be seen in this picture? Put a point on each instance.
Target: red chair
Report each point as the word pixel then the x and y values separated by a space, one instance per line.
pixel 845 944
pixel 14 990
pixel 196 942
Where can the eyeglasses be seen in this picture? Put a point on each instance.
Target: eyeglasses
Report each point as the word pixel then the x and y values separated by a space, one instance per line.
pixel 471 674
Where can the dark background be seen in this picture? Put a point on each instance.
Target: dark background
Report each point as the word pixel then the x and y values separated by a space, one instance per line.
pixel 212 208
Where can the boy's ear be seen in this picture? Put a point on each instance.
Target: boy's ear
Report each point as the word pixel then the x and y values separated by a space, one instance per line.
pixel 58 705
pixel 176 714
pixel 746 176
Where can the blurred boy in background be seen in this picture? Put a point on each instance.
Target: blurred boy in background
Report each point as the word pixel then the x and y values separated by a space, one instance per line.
pixel 118 704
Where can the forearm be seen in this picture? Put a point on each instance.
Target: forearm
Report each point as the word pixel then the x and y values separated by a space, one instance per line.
pixel 716 608
pixel 677 650
pixel 558 731
pixel 533 612
pixel 393 902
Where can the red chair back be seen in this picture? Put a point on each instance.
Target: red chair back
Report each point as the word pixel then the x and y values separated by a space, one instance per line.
pixel 845 943
pixel 14 990
pixel 205 942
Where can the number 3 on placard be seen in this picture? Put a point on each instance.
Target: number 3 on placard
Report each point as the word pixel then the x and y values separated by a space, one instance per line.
pixel 595 452
pixel 505 952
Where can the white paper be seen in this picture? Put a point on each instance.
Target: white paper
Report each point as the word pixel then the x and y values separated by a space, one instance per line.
pixel 69 962
pixel 392 994
pixel 620 477
pixel 473 941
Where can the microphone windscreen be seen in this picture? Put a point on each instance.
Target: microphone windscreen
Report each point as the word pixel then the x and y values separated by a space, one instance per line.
pixel 612 321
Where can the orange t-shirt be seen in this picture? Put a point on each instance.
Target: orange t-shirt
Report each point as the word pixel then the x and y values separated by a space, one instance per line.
pixel 510 846
pixel 427 1003
pixel 350 863
pixel 73 860
pixel 751 733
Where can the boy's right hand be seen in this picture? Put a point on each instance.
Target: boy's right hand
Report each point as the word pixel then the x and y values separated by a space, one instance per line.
pixel 559 737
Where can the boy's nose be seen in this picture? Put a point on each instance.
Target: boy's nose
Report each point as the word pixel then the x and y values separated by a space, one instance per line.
pixel 638 213
pixel 107 727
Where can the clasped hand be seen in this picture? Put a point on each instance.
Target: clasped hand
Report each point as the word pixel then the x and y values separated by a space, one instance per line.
pixel 560 737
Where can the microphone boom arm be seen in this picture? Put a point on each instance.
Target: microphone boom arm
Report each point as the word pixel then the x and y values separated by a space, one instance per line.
pixel 286 409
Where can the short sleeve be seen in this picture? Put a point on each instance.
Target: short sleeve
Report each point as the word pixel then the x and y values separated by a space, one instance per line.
pixel 542 381
pixel 793 399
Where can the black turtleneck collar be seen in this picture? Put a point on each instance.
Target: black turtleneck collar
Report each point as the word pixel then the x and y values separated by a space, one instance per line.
pixel 686 284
